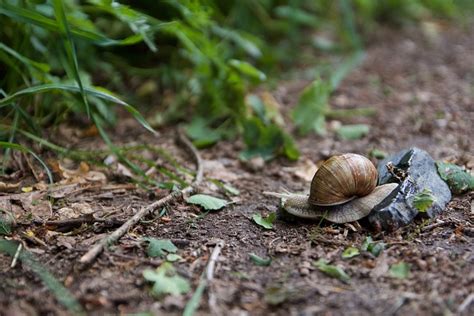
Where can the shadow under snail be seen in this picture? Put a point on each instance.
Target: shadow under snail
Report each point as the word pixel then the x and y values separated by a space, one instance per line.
pixel 344 189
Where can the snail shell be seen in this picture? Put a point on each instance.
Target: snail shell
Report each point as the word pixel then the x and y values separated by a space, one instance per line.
pixel 344 213
pixel 342 178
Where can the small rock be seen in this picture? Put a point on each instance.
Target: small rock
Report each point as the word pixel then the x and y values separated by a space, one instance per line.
pixel 397 210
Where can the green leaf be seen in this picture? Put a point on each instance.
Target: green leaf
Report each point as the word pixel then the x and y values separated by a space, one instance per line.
pixel 290 148
pixel 345 68
pixel 399 270
pixel 309 113
pixel 331 270
pixel 423 200
pixel 5 228
pixel 166 281
pixel 352 132
pixel 377 153
pixel 297 16
pixel 367 242
pixel 158 247
pixel 265 222
pixel 247 69
pixel 200 133
pixel 247 45
pixel 276 295
pixel 259 261
pixel 28 62
pixel 35 18
pixel 458 179
pixel 207 202
pixel 266 140
pixel 374 248
pixel 230 189
pixel 377 248
pixel 171 257
pixel 350 252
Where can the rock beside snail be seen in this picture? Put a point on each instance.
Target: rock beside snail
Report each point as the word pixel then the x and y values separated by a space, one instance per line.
pixel 421 173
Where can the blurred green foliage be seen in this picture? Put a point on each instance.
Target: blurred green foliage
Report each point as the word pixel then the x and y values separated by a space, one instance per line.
pixel 190 61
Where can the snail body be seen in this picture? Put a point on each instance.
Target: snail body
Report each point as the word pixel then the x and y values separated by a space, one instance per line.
pixel 344 189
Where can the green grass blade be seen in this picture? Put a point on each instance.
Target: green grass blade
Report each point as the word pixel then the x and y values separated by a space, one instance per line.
pixel 11 138
pixel 35 18
pixel 28 62
pixel 94 91
pixel 70 49
pixel 24 149
pixel 193 304
pixel 114 148
pixel 61 293
pixel 346 67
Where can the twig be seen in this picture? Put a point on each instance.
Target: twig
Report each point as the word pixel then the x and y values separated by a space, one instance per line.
pixel 465 304
pixel 430 227
pixel 210 275
pixel 90 256
pixel 212 260
pixel 17 254
pixel 205 280
pixel 30 165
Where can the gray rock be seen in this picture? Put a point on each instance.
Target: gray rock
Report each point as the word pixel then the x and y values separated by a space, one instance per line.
pixel 397 210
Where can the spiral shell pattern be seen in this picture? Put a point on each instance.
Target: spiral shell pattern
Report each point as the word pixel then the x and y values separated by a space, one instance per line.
pixel 342 178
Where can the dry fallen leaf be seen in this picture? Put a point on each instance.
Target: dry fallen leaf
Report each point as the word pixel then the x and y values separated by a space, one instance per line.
pixel 82 174
pixel 304 170
pixel 39 208
pixel 75 210
pixel 9 187
pixel 124 171
pixel 215 169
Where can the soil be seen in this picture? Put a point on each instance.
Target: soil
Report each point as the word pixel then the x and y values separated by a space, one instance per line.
pixel 422 85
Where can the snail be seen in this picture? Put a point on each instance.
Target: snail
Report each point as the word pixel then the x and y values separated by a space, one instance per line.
pixel 343 189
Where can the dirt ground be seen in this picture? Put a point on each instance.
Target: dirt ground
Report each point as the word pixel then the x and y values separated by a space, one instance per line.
pixel 422 85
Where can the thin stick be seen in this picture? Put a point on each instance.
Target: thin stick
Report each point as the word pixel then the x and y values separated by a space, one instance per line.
pixel 17 254
pixel 210 276
pixel 465 304
pixel 92 254
pixel 205 280
pixel 212 260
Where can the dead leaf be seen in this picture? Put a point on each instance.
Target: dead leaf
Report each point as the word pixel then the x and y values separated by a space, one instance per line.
pixel 304 170
pixel 67 212
pixel 272 106
pixel 82 174
pixel 88 132
pixel 27 189
pixel 216 169
pixel 40 186
pixel 75 210
pixel 38 208
pixel 122 170
pixel 95 176
pixel 9 187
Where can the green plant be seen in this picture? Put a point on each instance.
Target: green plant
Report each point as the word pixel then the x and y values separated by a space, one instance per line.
pixel 193 61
